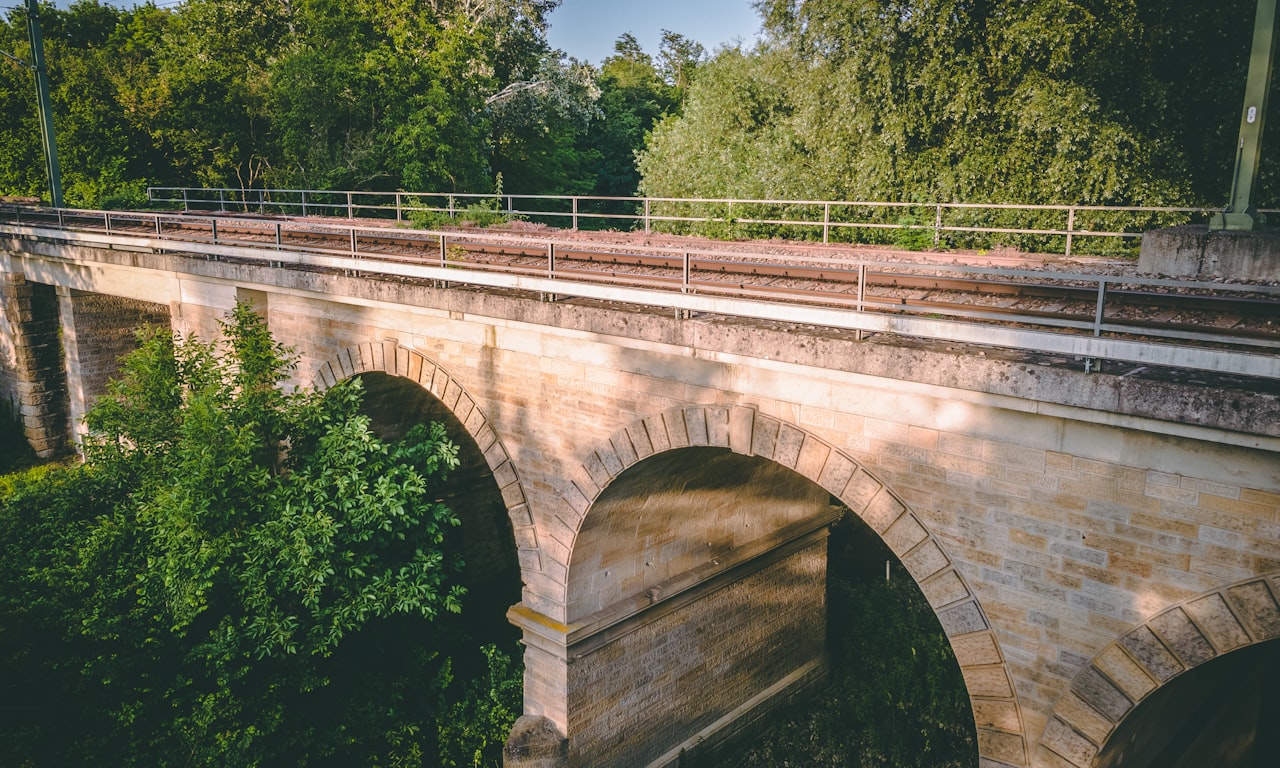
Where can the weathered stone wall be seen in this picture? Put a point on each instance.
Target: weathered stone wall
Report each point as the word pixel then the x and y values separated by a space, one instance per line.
pixel 36 381
pixel 665 678
pixel 97 330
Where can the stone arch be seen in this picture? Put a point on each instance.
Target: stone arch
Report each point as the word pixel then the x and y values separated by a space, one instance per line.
pixel 1149 657
pixel 394 360
pixel 745 431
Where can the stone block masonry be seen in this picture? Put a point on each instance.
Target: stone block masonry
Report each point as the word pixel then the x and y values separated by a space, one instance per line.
pixel 35 381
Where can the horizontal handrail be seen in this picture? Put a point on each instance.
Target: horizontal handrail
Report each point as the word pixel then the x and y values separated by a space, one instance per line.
pixel 225 236
pixel 827 216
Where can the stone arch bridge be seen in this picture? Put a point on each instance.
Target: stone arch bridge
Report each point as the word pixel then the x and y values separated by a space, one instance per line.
pixel 665 483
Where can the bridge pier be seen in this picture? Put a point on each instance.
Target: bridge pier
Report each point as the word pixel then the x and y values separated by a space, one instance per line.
pixel 36 383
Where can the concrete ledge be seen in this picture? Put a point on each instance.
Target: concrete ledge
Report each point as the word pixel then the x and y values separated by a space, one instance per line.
pixel 1195 251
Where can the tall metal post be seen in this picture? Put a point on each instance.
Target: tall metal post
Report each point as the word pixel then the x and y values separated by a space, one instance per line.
pixel 46 106
pixel 1240 213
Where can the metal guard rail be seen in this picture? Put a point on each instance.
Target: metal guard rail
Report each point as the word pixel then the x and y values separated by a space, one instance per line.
pixel 863 314
pixel 574 209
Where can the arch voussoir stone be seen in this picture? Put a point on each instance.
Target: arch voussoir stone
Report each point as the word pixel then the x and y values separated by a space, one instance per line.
pixel 1148 657
pixel 742 429
pixel 403 362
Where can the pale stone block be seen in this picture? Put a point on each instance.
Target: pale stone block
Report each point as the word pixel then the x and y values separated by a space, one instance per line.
pixel 813 456
pixel 1008 748
pixel 741 426
pixel 1218 623
pixel 657 434
pixel 1256 607
pixel 944 589
pixel 1125 673
pixel 787 452
pixel 1151 653
pixel 695 420
pixel 904 534
pixel 962 619
pixel 925 560
pixel 976 649
pixel 1000 714
pixel 1098 692
pixel 1068 743
pixel 860 491
pixel 764 436
pixel 718 426
pixel 1084 718
pixel 613 464
pixel 639 437
pixel 837 472
pixel 677 432
pixel 882 512
pixel 623 448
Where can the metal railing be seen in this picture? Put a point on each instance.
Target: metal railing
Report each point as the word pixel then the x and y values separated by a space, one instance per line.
pixel 348 249
pixel 1059 228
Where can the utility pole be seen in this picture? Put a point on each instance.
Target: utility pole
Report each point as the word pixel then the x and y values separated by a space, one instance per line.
pixel 1240 213
pixel 46 107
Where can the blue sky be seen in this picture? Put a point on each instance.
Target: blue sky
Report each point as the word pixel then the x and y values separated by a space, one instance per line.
pixel 587 29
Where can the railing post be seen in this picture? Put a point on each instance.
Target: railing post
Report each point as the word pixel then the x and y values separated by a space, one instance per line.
pixel 862 285
pixel 1071 228
pixel 106 221
pixel 551 259
pixel 684 278
pixel 304 203
pixel 937 226
pixel 574 199
pixel 1102 298
pixel 646 215
pixel 350 213
pixel 353 242
pixel 279 237
pixel 826 223
pixel 61 224
pixel 213 228
pixel 222 202
pixel 399 208
pixel 444 257
pixel 186 204
pixel 451 207
pixel 158 230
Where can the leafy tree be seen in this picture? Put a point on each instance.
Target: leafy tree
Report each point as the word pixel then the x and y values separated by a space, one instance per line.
pixel 632 99
pixel 237 575
pixel 1049 101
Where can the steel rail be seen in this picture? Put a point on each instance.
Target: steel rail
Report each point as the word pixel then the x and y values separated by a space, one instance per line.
pixel 687 294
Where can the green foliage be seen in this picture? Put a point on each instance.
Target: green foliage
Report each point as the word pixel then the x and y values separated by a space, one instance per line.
pixel 896 697
pixel 238 574
pixel 1053 101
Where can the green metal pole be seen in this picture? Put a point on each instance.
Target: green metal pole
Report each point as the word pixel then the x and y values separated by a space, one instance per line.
pixel 46 105
pixel 1240 213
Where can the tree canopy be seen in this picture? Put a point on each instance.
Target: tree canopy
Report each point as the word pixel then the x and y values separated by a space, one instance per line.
pixel 1051 101
pixel 1040 101
pixel 239 575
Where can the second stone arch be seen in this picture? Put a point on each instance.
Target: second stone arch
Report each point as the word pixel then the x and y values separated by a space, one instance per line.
pixel 693 551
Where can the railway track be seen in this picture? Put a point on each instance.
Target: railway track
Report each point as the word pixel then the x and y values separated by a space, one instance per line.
pixel 1107 304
